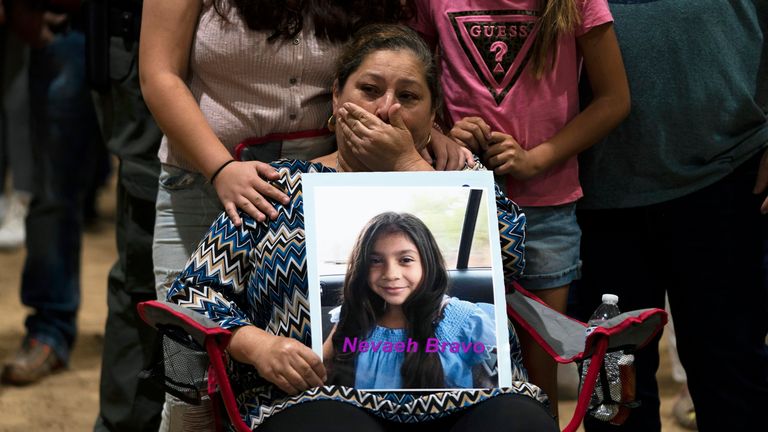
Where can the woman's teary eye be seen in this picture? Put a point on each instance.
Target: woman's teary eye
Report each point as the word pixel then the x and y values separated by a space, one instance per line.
pixel 407 259
pixel 369 89
pixel 375 260
pixel 408 97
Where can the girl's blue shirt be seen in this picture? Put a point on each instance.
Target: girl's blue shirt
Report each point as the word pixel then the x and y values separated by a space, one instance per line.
pixel 463 322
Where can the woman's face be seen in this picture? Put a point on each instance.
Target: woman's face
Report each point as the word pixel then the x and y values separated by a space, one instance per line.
pixel 388 77
pixel 396 269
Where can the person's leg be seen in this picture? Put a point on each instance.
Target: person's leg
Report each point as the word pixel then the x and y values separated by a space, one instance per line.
pixel 512 413
pixel 619 257
pixel 682 410
pixel 719 301
pixel 541 367
pixel 323 416
pixel 186 208
pixel 125 401
pixel 16 146
pixel 64 129
pixel 551 264
pixel 503 413
pixel 16 104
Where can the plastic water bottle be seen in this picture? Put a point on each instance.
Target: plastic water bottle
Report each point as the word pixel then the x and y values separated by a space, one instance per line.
pixel 607 310
pixel 601 406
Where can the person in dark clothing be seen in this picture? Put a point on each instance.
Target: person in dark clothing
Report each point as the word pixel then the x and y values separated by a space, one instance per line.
pixel 126 402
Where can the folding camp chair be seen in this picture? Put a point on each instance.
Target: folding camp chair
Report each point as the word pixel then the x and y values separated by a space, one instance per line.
pixel 187 334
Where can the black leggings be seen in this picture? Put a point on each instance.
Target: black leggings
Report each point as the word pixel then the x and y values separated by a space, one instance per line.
pixel 504 413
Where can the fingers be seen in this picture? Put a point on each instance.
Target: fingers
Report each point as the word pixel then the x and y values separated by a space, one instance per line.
pixel 426 156
pixel 256 206
pixel 456 158
pixel 474 132
pixel 353 114
pixel 246 185
pixel 297 368
pixel 266 171
pixel 310 367
pixel 396 117
pixel 467 156
pixel 231 211
pixel 452 160
pixel 441 149
pixel 494 150
pixel 352 141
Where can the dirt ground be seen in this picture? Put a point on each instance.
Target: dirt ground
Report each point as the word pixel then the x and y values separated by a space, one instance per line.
pixel 68 401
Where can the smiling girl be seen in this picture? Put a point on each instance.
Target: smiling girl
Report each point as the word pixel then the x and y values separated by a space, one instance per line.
pixel 397 328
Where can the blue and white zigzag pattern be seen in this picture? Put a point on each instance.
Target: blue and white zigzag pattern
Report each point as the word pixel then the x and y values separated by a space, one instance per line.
pixel 256 274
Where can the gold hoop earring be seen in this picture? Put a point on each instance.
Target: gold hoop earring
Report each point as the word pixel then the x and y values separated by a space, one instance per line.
pixel 429 140
pixel 332 123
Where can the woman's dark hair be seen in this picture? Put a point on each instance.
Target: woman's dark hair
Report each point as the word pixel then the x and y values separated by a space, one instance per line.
pixel 361 307
pixel 333 20
pixel 388 37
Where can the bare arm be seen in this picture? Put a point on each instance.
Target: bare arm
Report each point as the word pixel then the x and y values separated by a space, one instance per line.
pixel 167 32
pixel 609 106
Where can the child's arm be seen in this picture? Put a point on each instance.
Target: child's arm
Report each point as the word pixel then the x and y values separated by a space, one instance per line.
pixel 167 32
pixel 609 106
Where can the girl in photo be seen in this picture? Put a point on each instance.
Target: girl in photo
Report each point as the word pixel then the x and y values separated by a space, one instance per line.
pixel 397 329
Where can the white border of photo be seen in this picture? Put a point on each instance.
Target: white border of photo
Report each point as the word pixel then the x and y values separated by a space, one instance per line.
pixel 330 195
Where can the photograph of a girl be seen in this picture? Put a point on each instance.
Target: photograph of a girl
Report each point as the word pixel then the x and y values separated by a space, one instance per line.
pixel 396 328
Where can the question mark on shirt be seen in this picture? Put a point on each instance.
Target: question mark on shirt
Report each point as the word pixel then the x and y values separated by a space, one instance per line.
pixel 500 48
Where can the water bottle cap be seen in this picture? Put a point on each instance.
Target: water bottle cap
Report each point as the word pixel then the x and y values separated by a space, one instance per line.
pixel 610 298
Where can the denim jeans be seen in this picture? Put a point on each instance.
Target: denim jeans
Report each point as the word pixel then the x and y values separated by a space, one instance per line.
pixel 64 129
pixel 186 207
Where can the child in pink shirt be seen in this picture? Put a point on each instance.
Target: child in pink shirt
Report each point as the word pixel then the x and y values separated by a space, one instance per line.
pixel 510 72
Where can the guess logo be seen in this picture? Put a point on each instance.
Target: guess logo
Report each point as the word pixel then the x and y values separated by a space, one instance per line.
pixel 497 44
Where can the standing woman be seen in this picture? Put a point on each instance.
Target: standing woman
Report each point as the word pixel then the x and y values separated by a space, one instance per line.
pixel 216 73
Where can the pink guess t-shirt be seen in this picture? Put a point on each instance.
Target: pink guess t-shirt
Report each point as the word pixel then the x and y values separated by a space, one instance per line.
pixel 485 51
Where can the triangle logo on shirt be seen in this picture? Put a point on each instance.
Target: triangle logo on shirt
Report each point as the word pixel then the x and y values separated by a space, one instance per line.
pixel 497 45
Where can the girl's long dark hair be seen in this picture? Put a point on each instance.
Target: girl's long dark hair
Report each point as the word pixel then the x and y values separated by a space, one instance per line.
pixel 333 20
pixel 361 307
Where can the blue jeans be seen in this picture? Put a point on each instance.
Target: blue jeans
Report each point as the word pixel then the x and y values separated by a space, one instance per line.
pixel 551 247
pixel 186 207
pixel 64 129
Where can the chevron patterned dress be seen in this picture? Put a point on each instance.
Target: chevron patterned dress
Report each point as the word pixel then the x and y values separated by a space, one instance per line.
pixel 256 274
